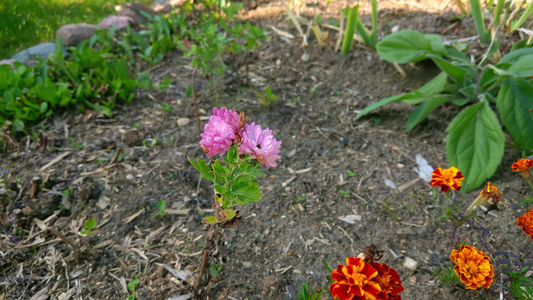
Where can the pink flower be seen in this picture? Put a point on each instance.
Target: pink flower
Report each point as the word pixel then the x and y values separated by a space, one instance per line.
pixel 222 131
pixel 231 117
pixel 260 144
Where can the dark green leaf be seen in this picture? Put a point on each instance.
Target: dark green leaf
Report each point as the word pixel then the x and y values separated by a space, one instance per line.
pixel 455 72
pixel 514 102
pixel 246 191
pixel 475 144
pixel 423 110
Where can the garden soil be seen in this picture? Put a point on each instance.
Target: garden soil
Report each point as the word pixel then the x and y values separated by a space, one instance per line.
pixel 340 185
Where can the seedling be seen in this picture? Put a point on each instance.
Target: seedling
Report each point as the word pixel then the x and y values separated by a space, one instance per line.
pixel 161 206
pixel 90 224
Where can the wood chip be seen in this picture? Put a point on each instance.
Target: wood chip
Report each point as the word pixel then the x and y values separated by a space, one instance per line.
pixel 55 161
pixel 131 218
pixel 282 33
pixel 190 254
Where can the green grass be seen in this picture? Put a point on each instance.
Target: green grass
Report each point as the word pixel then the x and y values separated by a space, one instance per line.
pixel 25 23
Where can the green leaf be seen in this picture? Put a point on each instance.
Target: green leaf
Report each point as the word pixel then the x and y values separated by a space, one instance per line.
pixel 515 55
pixel 246 191
pixel 407 46
pixel 203 168
pixel 514 102
pixel 350 28
pixel 475 144
pixel 423 110
pixel 455 72
pixel 425 92
pixel 90 224
pixel 249 170
pixel 210 220
pixel 232 155
pixel 380 103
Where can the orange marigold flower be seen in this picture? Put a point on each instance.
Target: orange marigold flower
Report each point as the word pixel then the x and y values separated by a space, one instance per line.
pixel 389 281
pixel 447 178
pixel 354 281
pixel 473 267
pixel 489 193
pixel 523 165
pixel 526 222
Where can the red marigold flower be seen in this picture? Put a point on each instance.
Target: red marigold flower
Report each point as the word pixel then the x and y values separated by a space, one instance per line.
pixel 526 222
pixel 523 165
pixel 354 281
pixel 473 267
pixel 389 281
pixel 447 178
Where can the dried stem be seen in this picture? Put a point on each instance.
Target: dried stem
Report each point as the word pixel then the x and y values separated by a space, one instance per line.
pixel 195 102
pixel 204 258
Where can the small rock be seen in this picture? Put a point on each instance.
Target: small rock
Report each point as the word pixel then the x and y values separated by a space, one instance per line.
pixel 8 62
pixel 164 6
pixel 410 264
pixel 73 34
pixel 395 28
pixel 184 121
pixel 305 57
pixel 120 22
pixel 134 11
pixel 41 50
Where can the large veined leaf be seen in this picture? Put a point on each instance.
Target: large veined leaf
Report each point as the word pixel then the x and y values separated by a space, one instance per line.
pixel 424 93
pixel 423 110
pixel 513 56
pixel 514 102
pixel 475 144
pixel 407 46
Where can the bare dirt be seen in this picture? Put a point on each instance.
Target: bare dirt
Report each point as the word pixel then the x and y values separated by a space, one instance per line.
pixel 331 167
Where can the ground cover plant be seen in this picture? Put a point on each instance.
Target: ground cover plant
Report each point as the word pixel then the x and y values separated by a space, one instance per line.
pixel 116 207
pixel 26 23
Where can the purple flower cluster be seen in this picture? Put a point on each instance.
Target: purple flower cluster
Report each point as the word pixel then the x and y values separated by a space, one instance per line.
pixel 227 128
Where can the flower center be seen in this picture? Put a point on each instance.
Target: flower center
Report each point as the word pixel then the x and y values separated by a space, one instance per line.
pixel 472 267
pixel 358 279
pixel 384 282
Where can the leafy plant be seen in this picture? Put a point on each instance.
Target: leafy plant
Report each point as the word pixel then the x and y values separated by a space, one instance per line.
pixel 131 287
pixel 268 98
pixel 161 206
pixel 351 16
pixel 214 269
pixel 475 140
pixel 521 286
pixel 234 184
pixel 90 224
pixel 305 294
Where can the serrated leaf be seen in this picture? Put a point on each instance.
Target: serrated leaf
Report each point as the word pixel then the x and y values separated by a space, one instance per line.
pixel 246 191
pixel 232 155
pixel 475 144
pixel 247 169
pixel 514 102
pixel 203 168
pixel 423 110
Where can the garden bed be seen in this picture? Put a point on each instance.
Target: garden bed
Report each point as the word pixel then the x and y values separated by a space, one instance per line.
pixel 331 168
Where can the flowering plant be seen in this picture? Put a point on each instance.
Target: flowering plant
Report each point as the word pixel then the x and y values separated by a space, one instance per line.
pixel 473 267
pixel 526 222
pixel 235 175
pixel 523 165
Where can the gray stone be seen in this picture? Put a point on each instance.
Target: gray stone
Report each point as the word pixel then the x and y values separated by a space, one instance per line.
pixel 41 50
pixel 134 10
pixel 164 6
pixel 8 62
pixel 120 22
pixel 73 34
